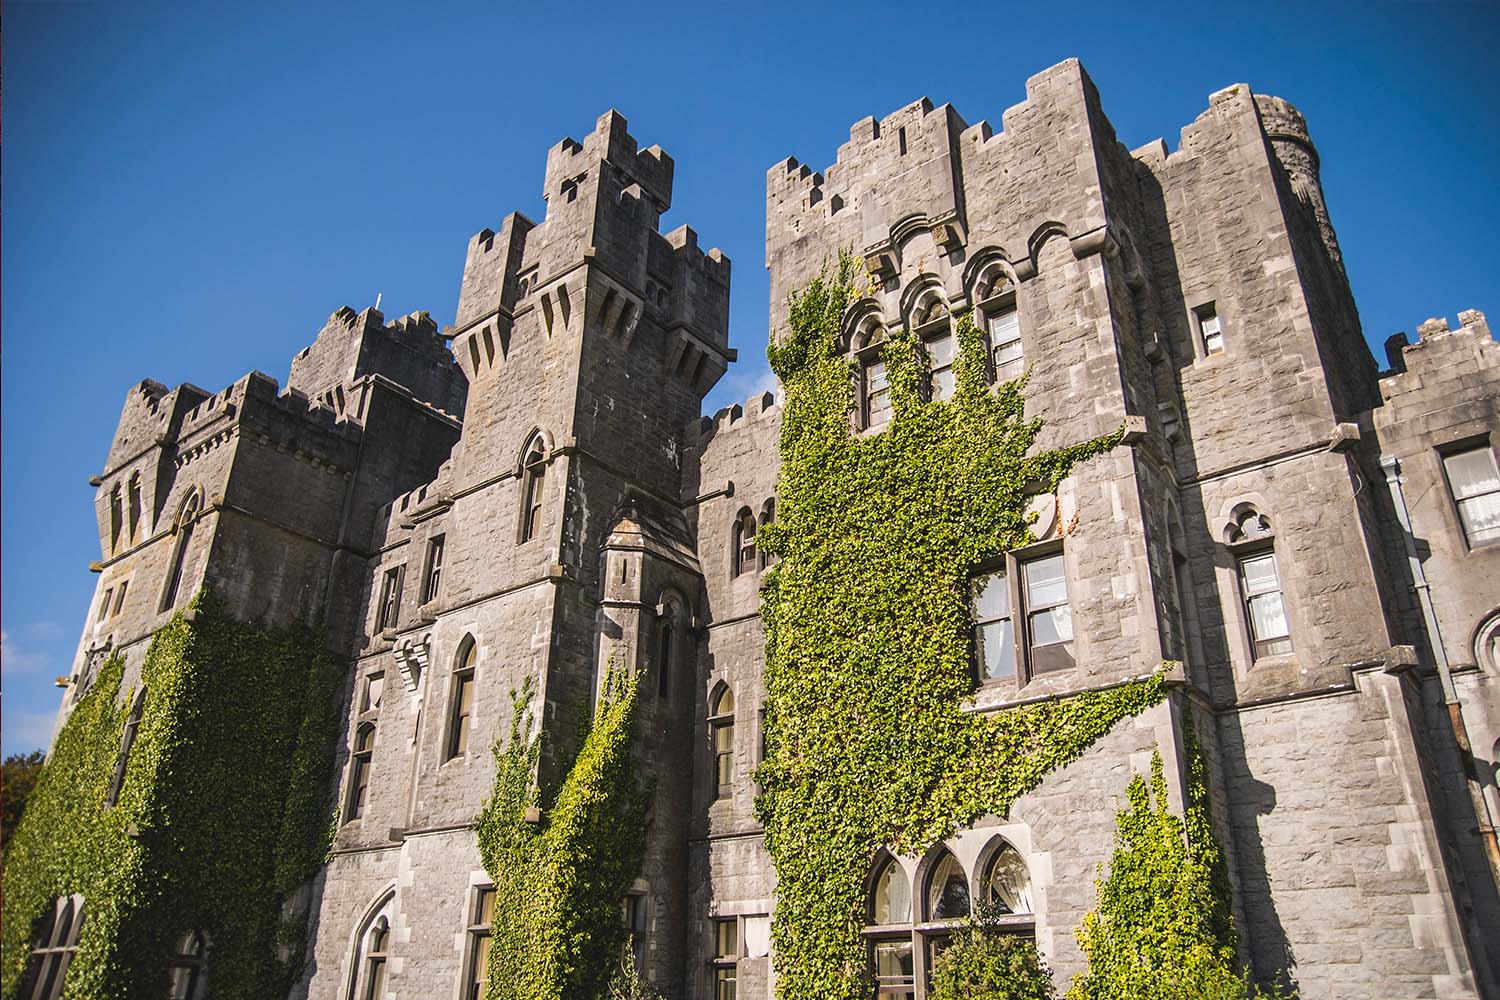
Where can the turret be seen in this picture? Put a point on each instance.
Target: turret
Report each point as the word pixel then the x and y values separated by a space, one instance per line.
pixel 1287 131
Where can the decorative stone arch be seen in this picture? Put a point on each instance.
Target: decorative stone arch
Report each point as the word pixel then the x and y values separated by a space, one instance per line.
pixel 1246 522
pixel 883 859
pixel 988 855
pixel 862 319
pixel 987 274
pixel 1485 643
pixel 536 436
pixel 918 299
pixel 928 868
pixel 1038 238
pixel 383 906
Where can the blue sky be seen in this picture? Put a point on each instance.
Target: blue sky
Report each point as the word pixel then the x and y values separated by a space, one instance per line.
pixel 188 191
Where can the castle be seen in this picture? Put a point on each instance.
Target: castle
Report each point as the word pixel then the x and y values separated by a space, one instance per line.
pixel 1307 540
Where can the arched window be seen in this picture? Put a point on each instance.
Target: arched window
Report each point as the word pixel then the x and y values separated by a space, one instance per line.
pixel 377 943
pixel 53 944
pixel 889 934
pixel 721 731
pixel 189 967
pixel 930 320
pixel 115 518
pixel 664 653
pixel 995 299
pixel 461 700
pixel 127 740
pixel 359 774
pixel 767 515
pixel 135 507
pixel 533 480
pixel 184 530
pixel 743 557
pixel 1007 884
pixel 947 889
pixel 1253 544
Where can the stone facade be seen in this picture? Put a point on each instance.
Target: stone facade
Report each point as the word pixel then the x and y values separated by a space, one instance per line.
pixel 531 493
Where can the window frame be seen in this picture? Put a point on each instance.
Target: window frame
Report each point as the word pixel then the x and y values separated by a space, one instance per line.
pixel 388 611
pixel 477 931
pixel 1456 449
pixel 868 352
pixel 361 759
pixel 127 741
pixel 1013 564
pixel 432 573
pixel 1252 551
pixel 1203 313
pixel 193 965
pixel 533 486
pixel 997 302
pixel 182 527
pixel 745 549
pixel 724 967
pixel 46 971
pixel 722 721
pixel 460 717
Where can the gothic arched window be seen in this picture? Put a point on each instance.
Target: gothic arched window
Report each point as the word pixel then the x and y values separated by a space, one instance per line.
pixel 186 517
pixel 376 951
pixel 189 967
pixel 767 515
pixel 889 932
pixel 461 699
pixel 116 517
pixel 1007 884
pixel 359 773
pixel 1253 544
pixel 53 945
pixel 533 481
pixel 721 732
pixel 135 507
pixel 743 556
pixel 664 651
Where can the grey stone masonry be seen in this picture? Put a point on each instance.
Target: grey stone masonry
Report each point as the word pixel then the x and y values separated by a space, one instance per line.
pixel 531 493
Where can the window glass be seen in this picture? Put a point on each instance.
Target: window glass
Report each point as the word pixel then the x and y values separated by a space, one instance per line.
pixel 947 890
pixel 1263 602
pixel 1045 582
pixel 1475 481
pixel 479 936
pixel 1049 618
pixel 1008 884
pixel 1005 341
pixel 997 650
pixel 757 936
pixel 892 896
pixel 994 635
pixel 941 351
pixel 895 971
pixel 1211 329
pixel 877 394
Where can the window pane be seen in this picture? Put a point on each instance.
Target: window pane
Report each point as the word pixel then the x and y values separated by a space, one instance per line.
pixel 948 891
pixel 941 351
pixel 1009 370
pixel 875 377
pixel 892 896
pixel 1009 883
pixel 724 984
pixel 1481 517
pixel 1045 583
pixel 991 597
pixel 1259 573
pixel 893 962
pixel 997 650
pixel 725 943
pixel 880 407
pixel 485 907
pixel 943 383
pixel 1267 617
pixel 757 937
pixel 1472 472
pixel 1006 353
pixel 1052 625
pixel 1005 326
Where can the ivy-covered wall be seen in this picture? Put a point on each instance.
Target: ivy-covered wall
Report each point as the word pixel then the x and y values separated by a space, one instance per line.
pixel 561 870
pixel 223 814
pixel 867 619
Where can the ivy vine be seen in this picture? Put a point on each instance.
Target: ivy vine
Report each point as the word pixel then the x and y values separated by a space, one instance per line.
pixel 222 815
pixel 867 617
pixel 562 859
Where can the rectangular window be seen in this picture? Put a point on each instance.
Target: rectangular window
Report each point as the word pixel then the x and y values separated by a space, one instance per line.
pixel 463 712
pixel 119 598
pixel 1269 635
pixel 633 918
pixel 1049 618
pixel 104 605
pixel 434 574
pixel 895 970
pixel 1005 343
pixel 724 757
pixel 941 351
pixel 726 952
pixel 481 918
pixel 994 635
pixel 1475 483
pixel 390 600
pixel 877 395
pixel 1210 329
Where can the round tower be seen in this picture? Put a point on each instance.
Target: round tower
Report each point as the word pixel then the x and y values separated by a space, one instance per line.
pixel 1287 130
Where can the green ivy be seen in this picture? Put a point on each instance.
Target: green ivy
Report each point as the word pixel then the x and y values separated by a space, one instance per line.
pixel 867 619
pixel 985 963
pixel 222 814
pixel 1163 929
pixel 560 875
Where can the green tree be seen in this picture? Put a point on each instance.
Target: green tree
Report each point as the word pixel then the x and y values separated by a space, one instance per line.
pixel 17 778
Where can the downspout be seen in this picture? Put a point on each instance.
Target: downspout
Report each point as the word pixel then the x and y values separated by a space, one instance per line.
pixel 1423 591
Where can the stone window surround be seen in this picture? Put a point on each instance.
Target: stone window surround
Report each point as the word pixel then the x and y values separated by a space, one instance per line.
pixel 741 537
pixel 463 668
pixel 1472 442
pixel 1237 640
pixel 1013 561
pixel 479 883
pixel 719 721
pixel 974 849
pixel 383 907
pixel 1194 304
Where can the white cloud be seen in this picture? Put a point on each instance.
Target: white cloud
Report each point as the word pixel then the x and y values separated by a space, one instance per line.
pixel 16 658
pixel 738 386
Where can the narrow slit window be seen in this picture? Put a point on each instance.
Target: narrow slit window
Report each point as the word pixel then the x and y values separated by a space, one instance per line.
pixel 359 777
pixel 461 714
pixel 127 740
pixel 534 479
pixel 1210 329
pixel 481 922
pixel 721 730
pixel 434 574
pixel 390 600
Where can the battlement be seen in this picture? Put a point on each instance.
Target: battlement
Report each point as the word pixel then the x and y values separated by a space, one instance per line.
pixel 736 417
pixel 610 142
pixel 1437 344
pixel 410 351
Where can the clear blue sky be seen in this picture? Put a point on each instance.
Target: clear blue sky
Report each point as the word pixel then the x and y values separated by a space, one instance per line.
pixel 188 191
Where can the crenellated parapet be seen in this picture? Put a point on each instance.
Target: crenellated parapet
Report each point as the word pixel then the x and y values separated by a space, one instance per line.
pixel 409 351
